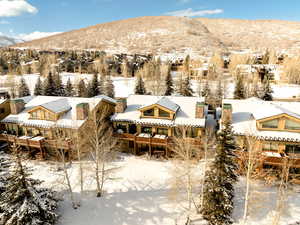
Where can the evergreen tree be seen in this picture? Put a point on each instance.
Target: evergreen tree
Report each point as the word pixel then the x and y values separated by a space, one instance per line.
pixel 49 86
pixel 186 88
pixel 94 86
pixel 206 90
pixel 82 90
pixel 218 185
pixel 59 89
pixel 23 88
pixel 169 84
pixel 267 90
pixel 23 202
pixel 109 88
pixel 140 87
pixel 239 91
pixel 38 89
pixel 69 90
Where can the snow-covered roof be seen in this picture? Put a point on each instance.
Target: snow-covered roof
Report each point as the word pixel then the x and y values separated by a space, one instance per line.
pixel 185 113
pixel 166 103
pixel 57 104
pixel 246 112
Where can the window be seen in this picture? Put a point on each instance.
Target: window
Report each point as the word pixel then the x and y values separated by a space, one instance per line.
pixel 163 113
pixel 34 115
pixel 147 130
pixel 163 131
pixel 292 125
pixel 269 146
pixel 122 127
pixel 149 112
pixel 2 110
pixel 270 124
pixel 292 149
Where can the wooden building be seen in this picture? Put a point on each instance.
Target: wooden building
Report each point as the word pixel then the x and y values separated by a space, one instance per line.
pixel 145 123
pixel 42 124
pixel 274 128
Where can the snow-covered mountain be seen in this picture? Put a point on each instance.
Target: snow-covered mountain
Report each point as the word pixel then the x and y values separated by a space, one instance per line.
pixel 6 41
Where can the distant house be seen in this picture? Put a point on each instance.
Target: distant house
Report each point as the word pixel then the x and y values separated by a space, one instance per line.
pixel 274 125
pixel 145 123
pixel 44 123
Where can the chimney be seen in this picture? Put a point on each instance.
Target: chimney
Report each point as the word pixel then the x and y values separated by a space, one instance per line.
pixel 82 111
pixel 227 112
pixel 17 106
pixel 200 110
pixel 121 105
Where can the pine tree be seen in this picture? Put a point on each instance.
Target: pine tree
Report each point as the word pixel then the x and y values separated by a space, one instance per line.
pixel 38 89
pixel 69 90
pixel 206 90
pixel 267 90
pixel 186 88
pixel 169 84
pixel 218 185
pixel 82 90
pixel 109 87
pixel 49 86
pixel 59 87
pixel 23 202
pixel 140 87
pixel 239 91
pixel 93 87
pixel 23 88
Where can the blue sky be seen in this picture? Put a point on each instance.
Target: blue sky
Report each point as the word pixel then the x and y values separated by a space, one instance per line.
pixel 27 16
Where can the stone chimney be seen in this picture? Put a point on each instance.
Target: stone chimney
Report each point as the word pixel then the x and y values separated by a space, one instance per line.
pixel 82 111
pixel 121 105
pixel 200 110
pixel 17 106
pixel 227 112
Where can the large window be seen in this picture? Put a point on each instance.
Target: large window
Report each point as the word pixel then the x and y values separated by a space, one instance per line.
pixel 163 113
pixel 163 131
pixel 149 112
pixel 270 124
pixel 147 130
pixel 292 125
pixel 34 115
pixel 122 128
pixel 270 146
pixel 292 149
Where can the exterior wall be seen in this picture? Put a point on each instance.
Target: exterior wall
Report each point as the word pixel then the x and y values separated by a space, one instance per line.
pixel 4 109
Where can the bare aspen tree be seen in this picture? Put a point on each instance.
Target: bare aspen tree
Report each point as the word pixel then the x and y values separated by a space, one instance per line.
pixel 102 146
pixel 185 176
pixel 282 189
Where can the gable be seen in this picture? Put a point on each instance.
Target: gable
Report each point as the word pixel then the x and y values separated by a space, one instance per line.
pixel 157 111
pixel 41 113
pixel 283 122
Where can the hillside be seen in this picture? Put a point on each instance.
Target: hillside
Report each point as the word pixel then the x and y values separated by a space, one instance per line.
pixel 5 41
pixel 167 33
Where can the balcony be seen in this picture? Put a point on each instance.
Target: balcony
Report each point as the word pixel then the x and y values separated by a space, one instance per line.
pixel 275 159
pixel 36 142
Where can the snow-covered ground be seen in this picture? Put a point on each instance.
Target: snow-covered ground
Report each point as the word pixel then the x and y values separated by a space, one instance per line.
pixel 140 194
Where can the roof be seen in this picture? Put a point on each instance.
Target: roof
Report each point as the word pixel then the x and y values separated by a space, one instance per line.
pixel 57 104
pixel 246 112
pixel 185 108
pixel 166 103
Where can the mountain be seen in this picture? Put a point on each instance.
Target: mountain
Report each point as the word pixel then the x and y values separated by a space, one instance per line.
pixel 157 34
pixel 5 41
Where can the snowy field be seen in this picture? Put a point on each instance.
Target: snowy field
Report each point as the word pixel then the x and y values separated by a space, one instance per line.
pixel 125 86
pixel 140 195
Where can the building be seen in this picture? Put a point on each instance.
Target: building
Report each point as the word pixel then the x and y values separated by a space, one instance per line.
pixel 44 123
pixel 274 126
pixel 145 123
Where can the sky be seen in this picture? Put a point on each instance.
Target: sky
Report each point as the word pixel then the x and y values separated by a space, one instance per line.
pixel 29 19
